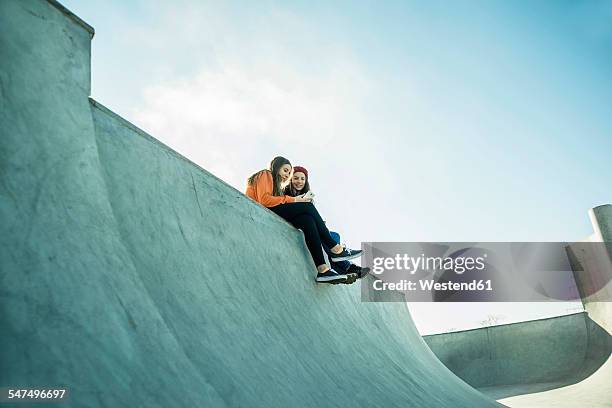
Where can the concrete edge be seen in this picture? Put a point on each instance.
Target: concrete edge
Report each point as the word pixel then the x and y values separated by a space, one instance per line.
pixel 585 313
pixel 151 139
pixel 73 17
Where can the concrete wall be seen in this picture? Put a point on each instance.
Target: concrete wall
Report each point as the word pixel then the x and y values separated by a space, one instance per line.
pixel 599 305
pixel 135 278
pixel 563 361
pixel 546 350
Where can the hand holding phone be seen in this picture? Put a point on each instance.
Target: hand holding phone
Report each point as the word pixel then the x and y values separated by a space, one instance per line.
pixel 309 195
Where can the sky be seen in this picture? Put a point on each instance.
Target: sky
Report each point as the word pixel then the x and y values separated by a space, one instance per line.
pixel 417 120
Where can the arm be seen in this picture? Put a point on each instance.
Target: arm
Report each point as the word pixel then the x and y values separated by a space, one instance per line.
pixel 263 192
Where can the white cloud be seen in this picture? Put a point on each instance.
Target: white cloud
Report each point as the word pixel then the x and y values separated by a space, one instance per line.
pixel 254 99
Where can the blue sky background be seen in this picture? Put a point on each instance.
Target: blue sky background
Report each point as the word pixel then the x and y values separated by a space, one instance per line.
pixel 418 121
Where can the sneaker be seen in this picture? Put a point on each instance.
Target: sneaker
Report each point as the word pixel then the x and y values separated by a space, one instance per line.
pixel 345 255
pixel 350 278
pixel 358 270
pixel 330 276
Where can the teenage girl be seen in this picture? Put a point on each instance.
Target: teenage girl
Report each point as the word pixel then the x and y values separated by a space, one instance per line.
pixel 299 186
pixel 265 187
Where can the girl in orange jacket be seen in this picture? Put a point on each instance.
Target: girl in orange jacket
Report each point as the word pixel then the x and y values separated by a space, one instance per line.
pixel 266 187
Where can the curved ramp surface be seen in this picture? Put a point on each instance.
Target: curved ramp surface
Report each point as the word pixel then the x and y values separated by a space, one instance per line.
pixel 596 390
pixel 528 357
pixel 559 362
pixel 135 278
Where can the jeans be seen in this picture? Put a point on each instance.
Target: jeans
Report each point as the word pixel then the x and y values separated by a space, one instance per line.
pixel 341 266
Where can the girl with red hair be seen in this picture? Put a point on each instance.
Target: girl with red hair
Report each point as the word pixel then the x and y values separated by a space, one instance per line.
pixel 300 187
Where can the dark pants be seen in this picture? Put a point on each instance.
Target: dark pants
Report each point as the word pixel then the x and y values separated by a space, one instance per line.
pixel 306 217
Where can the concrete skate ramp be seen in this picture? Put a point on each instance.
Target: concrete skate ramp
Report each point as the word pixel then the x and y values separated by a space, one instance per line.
pixel 558 362
pixel 137 279
pixel 593 391
pixel 596 389
pixel 527 357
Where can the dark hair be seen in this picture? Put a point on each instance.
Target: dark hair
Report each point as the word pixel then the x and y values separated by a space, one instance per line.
pixel 290 191
pixel 275 166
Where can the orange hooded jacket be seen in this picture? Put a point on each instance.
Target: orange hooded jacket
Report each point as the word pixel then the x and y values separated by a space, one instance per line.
pixel 262 188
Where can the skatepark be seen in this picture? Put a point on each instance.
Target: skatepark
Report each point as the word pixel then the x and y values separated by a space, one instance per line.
pixel 134 277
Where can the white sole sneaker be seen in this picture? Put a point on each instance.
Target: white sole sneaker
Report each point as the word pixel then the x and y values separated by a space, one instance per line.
pixel 331 279
pixel 344 258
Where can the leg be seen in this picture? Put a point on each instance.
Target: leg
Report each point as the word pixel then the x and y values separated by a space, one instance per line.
pixel 307 224
pixel 335 236
pixel 342 265
pixel 292 210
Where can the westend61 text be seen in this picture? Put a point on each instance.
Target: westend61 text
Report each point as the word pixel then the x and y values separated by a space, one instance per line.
pixel 428 263
pixel 429 285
